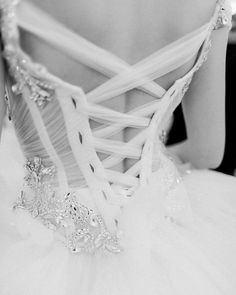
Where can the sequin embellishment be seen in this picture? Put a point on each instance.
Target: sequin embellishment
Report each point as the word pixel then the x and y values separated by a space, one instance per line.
pixel 223 19
pixel 79 228
pixel 22 70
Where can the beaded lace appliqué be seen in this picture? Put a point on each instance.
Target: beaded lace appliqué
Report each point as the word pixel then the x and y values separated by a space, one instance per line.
pixel 20 66
pixel 79 227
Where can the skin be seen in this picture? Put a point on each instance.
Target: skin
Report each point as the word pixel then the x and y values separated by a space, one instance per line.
pixel 132 30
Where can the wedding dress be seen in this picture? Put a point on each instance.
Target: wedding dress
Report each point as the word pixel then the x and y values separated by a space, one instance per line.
pixel 78 227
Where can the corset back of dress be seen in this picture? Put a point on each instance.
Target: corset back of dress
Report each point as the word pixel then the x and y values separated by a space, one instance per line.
pixel 51 118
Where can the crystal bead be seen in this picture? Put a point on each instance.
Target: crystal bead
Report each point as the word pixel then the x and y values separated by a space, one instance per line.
pixel 223 20
pixel 170 219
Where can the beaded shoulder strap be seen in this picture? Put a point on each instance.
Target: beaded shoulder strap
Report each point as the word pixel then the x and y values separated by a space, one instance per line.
pixel 222 18
pixel 24 72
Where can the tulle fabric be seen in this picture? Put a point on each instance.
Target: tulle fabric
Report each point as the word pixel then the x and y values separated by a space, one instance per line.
pixel 160 257
pixel 192 255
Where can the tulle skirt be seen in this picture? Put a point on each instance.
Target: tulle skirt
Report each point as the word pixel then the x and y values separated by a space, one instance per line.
pixel 159 257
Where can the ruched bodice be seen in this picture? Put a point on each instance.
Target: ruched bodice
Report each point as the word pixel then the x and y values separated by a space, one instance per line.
pixel 51 116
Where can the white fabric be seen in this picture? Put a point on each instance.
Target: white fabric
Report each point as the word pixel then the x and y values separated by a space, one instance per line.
pixel 140 75
pixel 178 235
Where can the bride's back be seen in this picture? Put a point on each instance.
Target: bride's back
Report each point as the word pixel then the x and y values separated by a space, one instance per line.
pixel 131 29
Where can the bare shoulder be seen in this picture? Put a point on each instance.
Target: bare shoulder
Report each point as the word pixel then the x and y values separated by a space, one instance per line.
pixel 191 13
pixel 200 11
